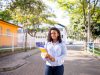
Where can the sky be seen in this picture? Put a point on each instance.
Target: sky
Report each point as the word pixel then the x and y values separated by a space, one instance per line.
pixel 62 16
pixel 4 3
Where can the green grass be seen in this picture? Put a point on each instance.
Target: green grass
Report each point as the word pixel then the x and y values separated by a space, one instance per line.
pixel 97 51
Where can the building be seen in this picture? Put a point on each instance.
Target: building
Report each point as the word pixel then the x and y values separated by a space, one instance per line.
pixel 41 37
pixel 63 31
pixel 21 39
pixel 8 32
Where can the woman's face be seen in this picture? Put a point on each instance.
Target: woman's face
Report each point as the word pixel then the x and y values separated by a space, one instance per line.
pixel 54 34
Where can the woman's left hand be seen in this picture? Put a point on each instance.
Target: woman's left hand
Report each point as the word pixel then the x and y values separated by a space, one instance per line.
pixel 52 59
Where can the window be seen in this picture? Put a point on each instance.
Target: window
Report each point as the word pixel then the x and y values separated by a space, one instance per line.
pixel 0 30
pixel 36 36
pixel 8 32
pixel 62 36
pixel 20 30
pixel 61 29
pixel 41 36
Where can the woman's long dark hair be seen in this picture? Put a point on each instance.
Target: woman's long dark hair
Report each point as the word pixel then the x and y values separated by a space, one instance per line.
pixel 49 35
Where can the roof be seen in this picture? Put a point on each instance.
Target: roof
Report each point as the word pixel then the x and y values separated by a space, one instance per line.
pixel 10 23
pixel 61 25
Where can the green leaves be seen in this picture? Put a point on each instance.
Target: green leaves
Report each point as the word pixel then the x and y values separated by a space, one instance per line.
pixel 29 13
pixel 5 15
pixel 78 12
pixel 29 6
pixel 95 30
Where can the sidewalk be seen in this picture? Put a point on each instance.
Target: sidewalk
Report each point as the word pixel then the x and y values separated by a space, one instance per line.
pixel 81 63
pixel 14 61
pixel 77 62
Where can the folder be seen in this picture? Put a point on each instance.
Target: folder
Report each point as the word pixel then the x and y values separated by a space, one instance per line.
pixel 43 50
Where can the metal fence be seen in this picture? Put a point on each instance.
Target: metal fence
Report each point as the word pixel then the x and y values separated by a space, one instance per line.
pixel 94 47
pixel 13 41
pixel 97 43
pixel 97 46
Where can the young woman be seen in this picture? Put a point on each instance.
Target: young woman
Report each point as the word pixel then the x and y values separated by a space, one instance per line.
pixel 56 50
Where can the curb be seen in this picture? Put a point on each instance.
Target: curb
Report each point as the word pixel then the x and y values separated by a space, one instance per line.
pixel 97 57
pixel 15 66
pixel 19 63
pixel 35 52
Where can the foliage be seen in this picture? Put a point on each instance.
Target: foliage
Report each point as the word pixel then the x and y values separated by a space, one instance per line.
pixel 29 13
pixel 78 12
pixel 5 15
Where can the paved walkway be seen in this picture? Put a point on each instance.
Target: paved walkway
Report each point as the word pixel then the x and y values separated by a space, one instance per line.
pixel 80 63
pixel 76 63
pixel 16 60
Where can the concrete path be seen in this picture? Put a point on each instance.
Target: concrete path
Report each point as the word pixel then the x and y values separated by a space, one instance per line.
pixel 14 61
pixel 76 63
pixel 81 63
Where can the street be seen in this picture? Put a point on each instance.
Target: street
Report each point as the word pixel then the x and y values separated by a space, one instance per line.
pixel 77 62
pixel 31 27
pixel 75 47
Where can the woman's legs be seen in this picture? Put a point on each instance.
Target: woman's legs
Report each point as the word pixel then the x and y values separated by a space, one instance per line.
pixel 48 70
pixel 59 70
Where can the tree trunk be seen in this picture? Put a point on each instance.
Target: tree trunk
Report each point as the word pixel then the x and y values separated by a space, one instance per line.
pixel 85 44
pixel 25 41
pixel 84 15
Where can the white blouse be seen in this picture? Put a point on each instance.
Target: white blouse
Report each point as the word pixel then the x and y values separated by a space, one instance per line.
pixel 56 50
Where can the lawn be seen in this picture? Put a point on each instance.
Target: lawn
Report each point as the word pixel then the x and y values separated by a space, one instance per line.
pixel 97 51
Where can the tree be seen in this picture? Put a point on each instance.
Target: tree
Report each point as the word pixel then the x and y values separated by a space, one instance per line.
pixel 5 15
pixel 30 13
pixel 78 12
pixel 96 30
pixel 79 16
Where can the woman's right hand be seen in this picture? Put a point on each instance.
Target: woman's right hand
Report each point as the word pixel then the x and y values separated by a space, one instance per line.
pixel 50 57
pixel 47 55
